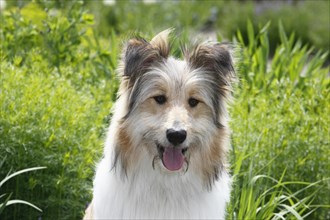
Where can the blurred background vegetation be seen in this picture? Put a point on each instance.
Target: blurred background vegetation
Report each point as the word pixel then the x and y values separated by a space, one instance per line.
pixel 58 85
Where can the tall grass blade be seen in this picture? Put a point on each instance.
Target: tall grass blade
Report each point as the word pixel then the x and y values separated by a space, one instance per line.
pixel 250 32
pixel 283 37
pixel 4 204
pixel 293 211
pixel 17 201
pixel 20 172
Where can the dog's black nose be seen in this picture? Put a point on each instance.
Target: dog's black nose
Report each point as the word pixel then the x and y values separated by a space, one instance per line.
pixel 176 137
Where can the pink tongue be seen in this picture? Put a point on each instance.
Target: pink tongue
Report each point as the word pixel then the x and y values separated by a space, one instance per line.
pixel 173 158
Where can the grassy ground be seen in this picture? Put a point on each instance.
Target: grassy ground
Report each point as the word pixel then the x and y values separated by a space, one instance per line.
pixel 58 85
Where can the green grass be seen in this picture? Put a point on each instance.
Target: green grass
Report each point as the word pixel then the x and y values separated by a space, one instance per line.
pixel 58 85
pixel 7 198
pixel 46 122
pixel 54 110
pixel 280 130
pixel 308 19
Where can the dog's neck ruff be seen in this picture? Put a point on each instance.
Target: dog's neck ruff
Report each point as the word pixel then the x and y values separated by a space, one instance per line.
pixel 149 194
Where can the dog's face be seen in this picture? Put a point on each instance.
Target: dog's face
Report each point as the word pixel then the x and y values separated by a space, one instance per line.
pixel 175 109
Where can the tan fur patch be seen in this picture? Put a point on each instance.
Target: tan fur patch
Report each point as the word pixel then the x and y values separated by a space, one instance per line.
pixel 213 162
pixel 151 107
pixel 201 110
pixel 124 149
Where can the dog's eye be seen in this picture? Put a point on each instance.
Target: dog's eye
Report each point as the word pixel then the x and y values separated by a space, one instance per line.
pixel 193 102
pixel 160 99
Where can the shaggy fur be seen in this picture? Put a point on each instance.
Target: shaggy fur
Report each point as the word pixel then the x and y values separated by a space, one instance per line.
pixel 165 153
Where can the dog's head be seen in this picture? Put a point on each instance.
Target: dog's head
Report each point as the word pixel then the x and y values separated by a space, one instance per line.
pixel 174 109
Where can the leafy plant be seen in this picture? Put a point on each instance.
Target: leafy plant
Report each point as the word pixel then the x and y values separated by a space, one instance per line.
pixel 281 116
pixel 54 114
pixel 260 196
pixel 7 198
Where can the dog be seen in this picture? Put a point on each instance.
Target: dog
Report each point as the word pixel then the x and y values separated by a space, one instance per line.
pixel 165 152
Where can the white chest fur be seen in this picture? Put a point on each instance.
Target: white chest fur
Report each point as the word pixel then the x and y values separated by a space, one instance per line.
pixel 149 194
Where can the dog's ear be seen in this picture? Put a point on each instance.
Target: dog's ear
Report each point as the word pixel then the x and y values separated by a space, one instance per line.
pixel 161 42
pixel 214 58
pixel 139 54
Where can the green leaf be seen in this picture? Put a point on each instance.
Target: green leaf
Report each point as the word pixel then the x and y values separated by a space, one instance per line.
pixel 250 32
pixel 20 172
pixel 17 201
pixel 265 28
pixel 283 37
pixel 292 211
pixel 4 204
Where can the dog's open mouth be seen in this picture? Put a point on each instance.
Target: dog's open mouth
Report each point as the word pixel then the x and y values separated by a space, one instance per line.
pixel 172 157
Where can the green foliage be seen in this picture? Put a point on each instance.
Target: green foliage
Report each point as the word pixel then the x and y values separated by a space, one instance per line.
pixel 57 88
pixel 56 41
pixel 58 85
pixel 7 201
pixel 132 15
pixel 280 123
pixel 309 20
pixel 46 121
